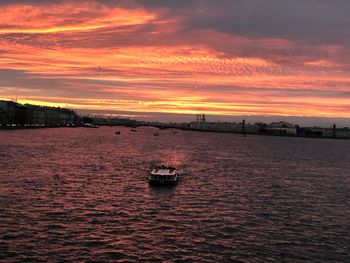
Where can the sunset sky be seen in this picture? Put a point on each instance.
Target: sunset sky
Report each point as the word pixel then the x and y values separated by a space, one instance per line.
pixel 273 57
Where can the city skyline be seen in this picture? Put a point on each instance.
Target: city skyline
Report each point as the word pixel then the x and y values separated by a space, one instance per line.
pixel 222 58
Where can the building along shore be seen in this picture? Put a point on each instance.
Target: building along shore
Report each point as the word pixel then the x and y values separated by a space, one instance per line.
pixel 14 115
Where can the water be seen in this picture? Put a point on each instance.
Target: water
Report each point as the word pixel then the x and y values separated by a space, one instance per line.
pixel 82 195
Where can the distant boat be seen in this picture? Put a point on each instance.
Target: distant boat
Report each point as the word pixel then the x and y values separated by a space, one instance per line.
pixel 163 175
pixel 133 130
pixel 156 134
pixel 90 125
pixel 117 132
pixel 175 132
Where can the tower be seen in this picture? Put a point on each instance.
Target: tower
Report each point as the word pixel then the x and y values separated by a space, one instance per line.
pixel 243 126
pixel 203 118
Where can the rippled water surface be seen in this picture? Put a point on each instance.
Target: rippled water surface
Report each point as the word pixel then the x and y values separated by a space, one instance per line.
pixel 82 195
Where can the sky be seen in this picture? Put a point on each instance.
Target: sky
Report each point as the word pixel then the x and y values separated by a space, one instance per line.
pixel 225 58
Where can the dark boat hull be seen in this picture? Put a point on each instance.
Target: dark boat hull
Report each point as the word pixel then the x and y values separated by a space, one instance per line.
pixel 162 183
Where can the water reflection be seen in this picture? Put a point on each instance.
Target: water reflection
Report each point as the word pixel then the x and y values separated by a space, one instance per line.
pixel 82 194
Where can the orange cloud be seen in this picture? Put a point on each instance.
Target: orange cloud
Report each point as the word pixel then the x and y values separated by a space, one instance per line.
pixel 86 16
pixel 49 55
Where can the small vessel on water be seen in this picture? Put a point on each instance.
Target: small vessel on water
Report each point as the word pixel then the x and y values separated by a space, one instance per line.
pixel 156 134
pixel 117 132
pixel 163 175
pixel 90 125
pixel 133 130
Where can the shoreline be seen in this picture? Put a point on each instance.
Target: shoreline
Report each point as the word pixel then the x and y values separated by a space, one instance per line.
pixel 11 128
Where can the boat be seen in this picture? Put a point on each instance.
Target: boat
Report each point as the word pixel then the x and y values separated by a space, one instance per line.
pixel 90 125
pixel 117 132
pixel 163 175
pixel 156 134
pixel 133 130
